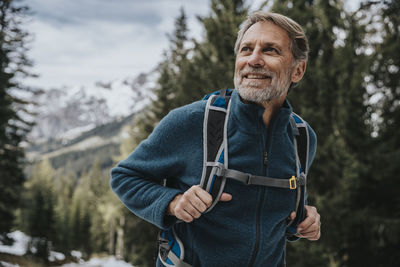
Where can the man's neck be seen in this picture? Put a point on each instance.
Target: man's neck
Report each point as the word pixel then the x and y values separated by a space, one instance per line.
pixel 271 108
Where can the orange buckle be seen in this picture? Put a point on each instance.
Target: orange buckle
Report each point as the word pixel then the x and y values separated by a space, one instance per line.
pixel 292 183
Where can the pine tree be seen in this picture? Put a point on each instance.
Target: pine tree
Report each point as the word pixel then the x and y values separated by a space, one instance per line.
pixel 82 200
pixel 14 124
pixel 63 188
pixel 169 84
pixel 140 239
pixel 90 233
pixel 112 217
pixel 379 190
pixel 213 61
pixel 75 222
pixel 37 215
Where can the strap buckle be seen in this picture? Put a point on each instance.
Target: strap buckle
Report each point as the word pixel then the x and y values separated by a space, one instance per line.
pixel 248 180
pixel 292 183
pixel 302 179
pixel 220 170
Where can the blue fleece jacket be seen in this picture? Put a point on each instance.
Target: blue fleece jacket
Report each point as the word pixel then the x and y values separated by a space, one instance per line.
pixel 249 228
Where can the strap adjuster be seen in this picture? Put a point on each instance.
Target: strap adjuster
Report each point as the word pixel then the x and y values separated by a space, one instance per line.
pixel 292 183
pixel 248 180
pixel 220 170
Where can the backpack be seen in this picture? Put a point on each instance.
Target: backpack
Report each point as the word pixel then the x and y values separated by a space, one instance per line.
pixel 215 171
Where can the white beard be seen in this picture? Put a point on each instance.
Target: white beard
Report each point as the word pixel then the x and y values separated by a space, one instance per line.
pixel 251 92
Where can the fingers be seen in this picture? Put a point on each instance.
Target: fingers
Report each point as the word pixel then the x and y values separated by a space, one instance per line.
pixel 225 197
pixel 192 203
pixel 310 228
pixel 311 217
pixel 313 233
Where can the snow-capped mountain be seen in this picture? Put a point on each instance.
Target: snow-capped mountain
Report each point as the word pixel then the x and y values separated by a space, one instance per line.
pixel 65 113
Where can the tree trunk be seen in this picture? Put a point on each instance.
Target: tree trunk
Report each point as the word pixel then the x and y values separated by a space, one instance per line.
pixel 120 238
pixel 111 246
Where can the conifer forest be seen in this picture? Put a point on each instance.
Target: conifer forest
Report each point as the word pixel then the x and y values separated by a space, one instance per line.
pixel 350 95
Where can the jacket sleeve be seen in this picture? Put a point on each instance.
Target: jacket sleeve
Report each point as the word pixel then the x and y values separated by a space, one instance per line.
pixel 137 180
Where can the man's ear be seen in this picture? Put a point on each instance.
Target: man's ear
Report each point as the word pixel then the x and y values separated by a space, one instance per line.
pixel 298 71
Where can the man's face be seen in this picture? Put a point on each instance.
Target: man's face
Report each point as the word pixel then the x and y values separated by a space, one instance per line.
pixel 264 65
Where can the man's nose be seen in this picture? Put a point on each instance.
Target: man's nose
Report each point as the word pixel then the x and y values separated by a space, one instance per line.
pixel 256 59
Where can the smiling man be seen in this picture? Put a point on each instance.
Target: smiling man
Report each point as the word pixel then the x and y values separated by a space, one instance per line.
pixel 265 66
pixel 249 224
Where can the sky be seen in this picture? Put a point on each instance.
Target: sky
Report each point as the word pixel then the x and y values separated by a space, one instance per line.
pixel 80 42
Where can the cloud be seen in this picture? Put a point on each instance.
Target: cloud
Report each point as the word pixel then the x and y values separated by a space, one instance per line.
pixel 79 42
pixel 98 49
pixel 63 12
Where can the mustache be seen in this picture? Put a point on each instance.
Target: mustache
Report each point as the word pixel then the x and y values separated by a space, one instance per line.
pixel 249 70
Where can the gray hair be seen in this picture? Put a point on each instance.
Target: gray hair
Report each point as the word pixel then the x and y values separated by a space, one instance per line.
pixel 299 43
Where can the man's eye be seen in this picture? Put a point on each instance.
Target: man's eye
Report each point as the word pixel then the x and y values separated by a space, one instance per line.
pixel 271 49
pixel 245 49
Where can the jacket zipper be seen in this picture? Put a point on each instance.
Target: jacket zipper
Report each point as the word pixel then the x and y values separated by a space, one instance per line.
pixel 258 217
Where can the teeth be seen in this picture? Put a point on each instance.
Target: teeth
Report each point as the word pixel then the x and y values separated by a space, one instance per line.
pixel 255 76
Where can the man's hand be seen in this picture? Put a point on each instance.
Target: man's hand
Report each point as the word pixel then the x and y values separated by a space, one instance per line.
pixel 310 228
pixel 192 203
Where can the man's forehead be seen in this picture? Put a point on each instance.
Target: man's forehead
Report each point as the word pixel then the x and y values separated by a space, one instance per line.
pixel 266 32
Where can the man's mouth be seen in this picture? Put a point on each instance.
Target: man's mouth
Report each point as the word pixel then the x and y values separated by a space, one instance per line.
pixel 256 76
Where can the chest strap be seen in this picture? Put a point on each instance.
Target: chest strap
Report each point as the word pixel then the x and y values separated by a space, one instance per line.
pixel 249 179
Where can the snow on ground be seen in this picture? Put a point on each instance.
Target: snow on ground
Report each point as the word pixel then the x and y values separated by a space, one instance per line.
pixel 20 245
pixel 76 254
pixel 103 262
pixel 6 264
pixel 56 256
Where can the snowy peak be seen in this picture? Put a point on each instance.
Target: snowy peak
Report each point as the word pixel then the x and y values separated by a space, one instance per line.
pixel 64 113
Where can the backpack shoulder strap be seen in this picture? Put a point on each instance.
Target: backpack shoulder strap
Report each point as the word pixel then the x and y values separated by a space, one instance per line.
pixel 215 143
pixel 302 137
pixel 301 146
pixel 170 249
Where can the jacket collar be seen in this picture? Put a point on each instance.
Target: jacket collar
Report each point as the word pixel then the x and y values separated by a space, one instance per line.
pixel 249 116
